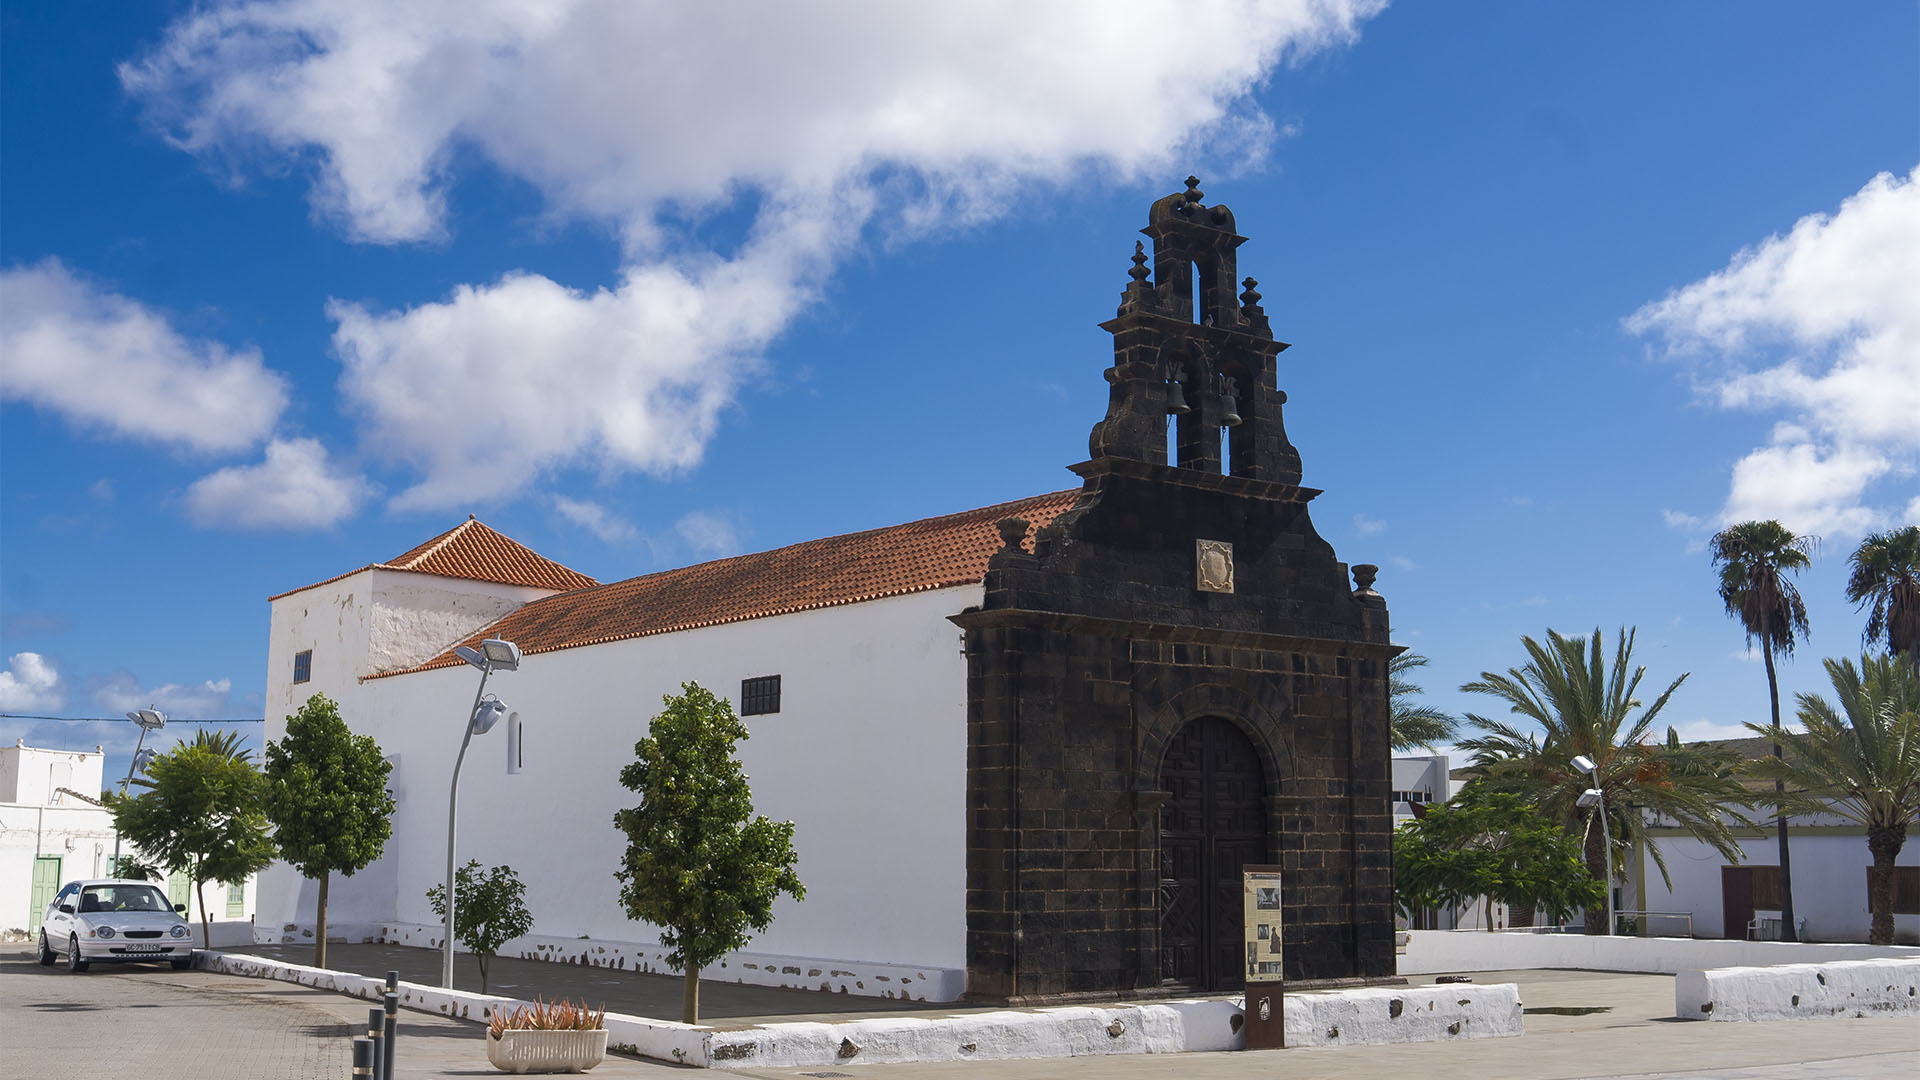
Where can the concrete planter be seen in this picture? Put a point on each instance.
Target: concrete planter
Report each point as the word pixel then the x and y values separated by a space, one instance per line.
pixel 525 1051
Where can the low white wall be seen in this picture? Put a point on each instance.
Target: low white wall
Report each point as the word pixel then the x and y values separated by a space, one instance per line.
pixel 1431 952
pixel 1799 991
pixel 1334 1017
pixel 905 982
pixel 1403 1015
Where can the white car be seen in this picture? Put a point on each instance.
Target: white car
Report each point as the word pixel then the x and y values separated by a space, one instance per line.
pixel 114 921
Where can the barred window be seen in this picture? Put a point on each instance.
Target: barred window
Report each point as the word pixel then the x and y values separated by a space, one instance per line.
pixel 303 665
pixel 760 695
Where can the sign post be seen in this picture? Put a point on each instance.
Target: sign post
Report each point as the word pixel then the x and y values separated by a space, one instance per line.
pixel 1265 975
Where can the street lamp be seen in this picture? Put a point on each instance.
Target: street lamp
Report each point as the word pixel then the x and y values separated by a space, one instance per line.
pixel 1594 800
pixel 149 719
pixel 493 655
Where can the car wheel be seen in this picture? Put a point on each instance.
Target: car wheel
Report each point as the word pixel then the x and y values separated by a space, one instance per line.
pixel 46 951
pixel 182 963
pixel 74 963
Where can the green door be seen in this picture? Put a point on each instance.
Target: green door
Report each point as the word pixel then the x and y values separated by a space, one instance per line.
pixel 237 902
pixel 46 882
pixel 179 887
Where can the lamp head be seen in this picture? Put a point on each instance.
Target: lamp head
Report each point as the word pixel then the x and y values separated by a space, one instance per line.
pixel 148 719
pixel 471 656
pixel 1583 763
pixel 1589 798
pixel 490 712
pixel 502 655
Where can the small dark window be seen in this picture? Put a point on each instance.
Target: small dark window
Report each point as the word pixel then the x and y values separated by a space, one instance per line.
pixel 1906 889
pixel 759 696
pixel 303 665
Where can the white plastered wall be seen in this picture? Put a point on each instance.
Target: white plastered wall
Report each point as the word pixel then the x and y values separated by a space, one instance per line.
pixel 1829 882
pixel 867 756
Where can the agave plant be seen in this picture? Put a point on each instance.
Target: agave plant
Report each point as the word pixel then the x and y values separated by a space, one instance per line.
pixel 562 1015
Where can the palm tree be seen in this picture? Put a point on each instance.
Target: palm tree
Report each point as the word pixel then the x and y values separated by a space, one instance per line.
pixel 1860 762
pixel 1753 559
pixel 1584 707
pixel 1886 574
pixel 1413 725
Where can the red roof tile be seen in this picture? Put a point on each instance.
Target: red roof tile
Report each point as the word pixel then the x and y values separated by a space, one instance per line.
pixel 475 552
pixel 920 555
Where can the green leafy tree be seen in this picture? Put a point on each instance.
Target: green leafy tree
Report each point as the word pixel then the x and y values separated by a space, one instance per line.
pixel 1413 724
pixel 491 910
pixel 1885 579
pixel 1860 761
pixel 1582 706
pixel 202 813
pixel 1753 560
pixel 699 863
pixel 1493 846
pixel 327 799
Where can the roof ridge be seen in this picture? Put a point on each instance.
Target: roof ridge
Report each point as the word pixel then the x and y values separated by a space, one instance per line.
pixel 446 538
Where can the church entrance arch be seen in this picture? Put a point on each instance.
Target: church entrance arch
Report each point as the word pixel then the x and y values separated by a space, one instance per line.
pixel 1213 822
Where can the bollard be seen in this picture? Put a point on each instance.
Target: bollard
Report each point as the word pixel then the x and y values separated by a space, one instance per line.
pixel 393 981
pixel 363 1058
pixel 393 1028
pixel 376 1031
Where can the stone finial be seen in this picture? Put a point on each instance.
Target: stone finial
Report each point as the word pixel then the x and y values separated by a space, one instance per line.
pixel 1194 194
pixel 1363 575
pixel 1250 300
pixel 1012 531
pixel 1139 273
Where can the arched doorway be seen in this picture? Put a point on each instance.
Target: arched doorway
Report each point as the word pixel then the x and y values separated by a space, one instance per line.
pixel 1213 822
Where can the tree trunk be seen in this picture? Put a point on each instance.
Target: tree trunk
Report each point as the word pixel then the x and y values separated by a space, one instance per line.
pixel 1788 932
pixel 1885 842
pixel 320 923
pixel 200 893
pixel 1599 862
pixel 690 998
pixel 482 958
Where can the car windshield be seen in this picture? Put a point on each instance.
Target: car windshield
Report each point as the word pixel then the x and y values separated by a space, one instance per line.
pixel 123 898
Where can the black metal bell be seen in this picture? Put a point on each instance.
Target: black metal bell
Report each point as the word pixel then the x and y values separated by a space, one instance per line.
pixel 1176 396
pixel 1229 403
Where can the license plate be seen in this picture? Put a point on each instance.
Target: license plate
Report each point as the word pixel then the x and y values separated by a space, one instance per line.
pixel 146 948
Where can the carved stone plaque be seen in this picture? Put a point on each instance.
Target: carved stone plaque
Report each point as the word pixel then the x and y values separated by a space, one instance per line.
pixel 1213 566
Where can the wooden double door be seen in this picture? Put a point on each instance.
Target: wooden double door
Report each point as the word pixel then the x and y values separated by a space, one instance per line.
pixel 1213 822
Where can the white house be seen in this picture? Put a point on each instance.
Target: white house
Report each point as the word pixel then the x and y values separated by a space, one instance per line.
pixel 53 829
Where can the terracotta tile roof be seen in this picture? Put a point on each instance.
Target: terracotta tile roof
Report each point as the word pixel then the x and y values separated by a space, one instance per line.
pixel 473 551
pixel 920 555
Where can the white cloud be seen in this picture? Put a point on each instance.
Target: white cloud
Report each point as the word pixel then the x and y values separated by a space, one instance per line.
pixel 708 533
pixel 30 684
pixel 294 487
pixel 1368 526
pixel 1821 325
pixel 209 700
pixel 109 363
pixel 596 519
pixel 1402 563
pixel 821 120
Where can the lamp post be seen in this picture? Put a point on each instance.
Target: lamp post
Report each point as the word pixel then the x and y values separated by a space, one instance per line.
pixel 1593 798
pixel 149 719
pixel 493 655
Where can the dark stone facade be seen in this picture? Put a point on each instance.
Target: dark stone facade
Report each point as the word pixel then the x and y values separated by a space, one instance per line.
pixel 1097 651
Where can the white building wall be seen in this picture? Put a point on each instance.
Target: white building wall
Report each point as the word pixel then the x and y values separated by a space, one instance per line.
pixel 867 756
pixel 1829 883
pixel 31 776
pixel 416 617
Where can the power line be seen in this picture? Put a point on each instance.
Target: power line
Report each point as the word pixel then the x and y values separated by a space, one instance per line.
pixel 122 719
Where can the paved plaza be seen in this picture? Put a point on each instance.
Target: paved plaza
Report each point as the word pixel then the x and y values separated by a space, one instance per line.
pixel 196 1025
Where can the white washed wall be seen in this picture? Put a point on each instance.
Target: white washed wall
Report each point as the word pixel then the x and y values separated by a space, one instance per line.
pixel 1829 883
pixel 867 756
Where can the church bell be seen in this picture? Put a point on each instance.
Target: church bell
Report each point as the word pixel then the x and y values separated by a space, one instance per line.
pixel 1176 397
pixel 1229 403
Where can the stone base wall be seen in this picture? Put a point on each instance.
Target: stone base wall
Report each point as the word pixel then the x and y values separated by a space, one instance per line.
pixel 1855 988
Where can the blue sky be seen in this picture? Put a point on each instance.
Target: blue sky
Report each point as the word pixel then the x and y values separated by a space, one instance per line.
pixel 291 287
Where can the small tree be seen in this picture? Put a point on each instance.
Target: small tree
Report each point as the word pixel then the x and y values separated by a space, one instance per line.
pixel 327 798
pixel 201 813
pixel 699 864
pixel 491 910
pixel 1492 845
